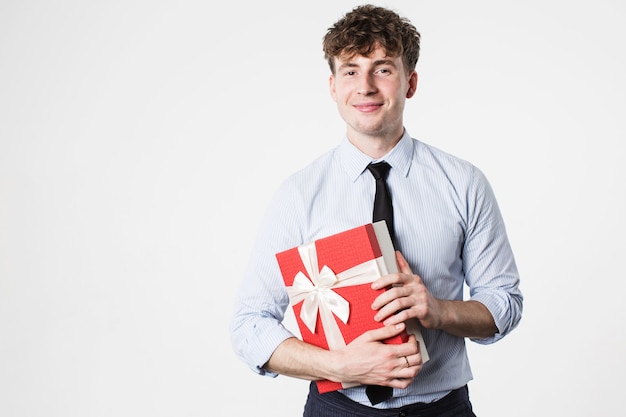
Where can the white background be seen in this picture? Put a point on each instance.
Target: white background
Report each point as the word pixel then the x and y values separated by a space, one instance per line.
pixel 118 119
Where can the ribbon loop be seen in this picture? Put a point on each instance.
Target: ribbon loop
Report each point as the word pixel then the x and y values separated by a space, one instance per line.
pixel 318 295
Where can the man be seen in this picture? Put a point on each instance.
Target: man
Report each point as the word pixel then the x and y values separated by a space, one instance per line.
pixel 447 226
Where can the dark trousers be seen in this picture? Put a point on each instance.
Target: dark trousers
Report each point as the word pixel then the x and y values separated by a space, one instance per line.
pixel 335 404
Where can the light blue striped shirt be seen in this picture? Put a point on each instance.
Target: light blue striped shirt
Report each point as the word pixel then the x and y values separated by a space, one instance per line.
pixel 448 227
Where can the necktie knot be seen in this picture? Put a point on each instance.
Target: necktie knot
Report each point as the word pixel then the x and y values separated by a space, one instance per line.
pixel 379 170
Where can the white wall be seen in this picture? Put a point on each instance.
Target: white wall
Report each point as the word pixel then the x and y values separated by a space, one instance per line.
pixel 118 268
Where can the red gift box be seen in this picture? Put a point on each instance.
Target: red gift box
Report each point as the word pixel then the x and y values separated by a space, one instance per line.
pixel 329 285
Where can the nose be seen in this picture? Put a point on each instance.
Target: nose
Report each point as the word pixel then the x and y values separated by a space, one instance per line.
pixel 366 85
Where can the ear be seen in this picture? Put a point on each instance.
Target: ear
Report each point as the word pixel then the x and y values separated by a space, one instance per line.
pixel 331 86
pixel 412 84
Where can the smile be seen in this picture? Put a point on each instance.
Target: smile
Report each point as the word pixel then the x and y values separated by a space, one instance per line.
pixel 367 107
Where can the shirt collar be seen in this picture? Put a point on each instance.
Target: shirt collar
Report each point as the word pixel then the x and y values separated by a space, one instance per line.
pixel 355 162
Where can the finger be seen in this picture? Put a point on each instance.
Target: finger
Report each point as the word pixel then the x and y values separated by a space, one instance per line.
pixel 404 362
pixel 414 356
pixel 410 361
pixel 403 265
pixel 389 280
pixel 384 332
pixel 405 268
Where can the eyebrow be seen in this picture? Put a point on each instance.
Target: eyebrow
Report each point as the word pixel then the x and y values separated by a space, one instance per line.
pixel 384 62
pixel 376 63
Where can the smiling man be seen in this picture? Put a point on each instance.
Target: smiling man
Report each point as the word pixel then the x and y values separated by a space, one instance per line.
pixel 448 232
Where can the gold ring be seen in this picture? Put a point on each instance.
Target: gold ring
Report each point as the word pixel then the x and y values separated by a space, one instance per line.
pixel 408 365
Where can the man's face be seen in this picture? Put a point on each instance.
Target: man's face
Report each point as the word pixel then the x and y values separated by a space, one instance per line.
pixel 370 93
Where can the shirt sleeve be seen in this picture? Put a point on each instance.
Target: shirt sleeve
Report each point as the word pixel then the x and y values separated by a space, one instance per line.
pixel 489 265
pixel 256 325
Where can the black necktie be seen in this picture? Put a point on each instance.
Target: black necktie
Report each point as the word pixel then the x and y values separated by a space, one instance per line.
pixel 383 210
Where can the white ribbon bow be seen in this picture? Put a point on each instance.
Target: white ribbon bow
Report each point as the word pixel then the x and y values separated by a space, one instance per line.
pixel 318 294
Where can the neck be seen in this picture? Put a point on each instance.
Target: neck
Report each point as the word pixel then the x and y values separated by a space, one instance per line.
pixel 375 146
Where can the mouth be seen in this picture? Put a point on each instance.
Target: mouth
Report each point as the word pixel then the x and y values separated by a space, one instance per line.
pixel 367 107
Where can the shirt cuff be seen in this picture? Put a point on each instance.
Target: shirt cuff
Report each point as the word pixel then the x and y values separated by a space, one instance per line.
pixel 263 343
pixel 504 311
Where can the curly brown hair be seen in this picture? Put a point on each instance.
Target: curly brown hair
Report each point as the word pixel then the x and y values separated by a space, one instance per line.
pixel 360 31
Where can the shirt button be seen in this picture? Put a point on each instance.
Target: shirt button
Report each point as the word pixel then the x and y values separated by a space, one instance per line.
pixel 402 414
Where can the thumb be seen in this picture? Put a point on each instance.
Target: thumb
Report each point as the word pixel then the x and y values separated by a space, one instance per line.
pixel 403 265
